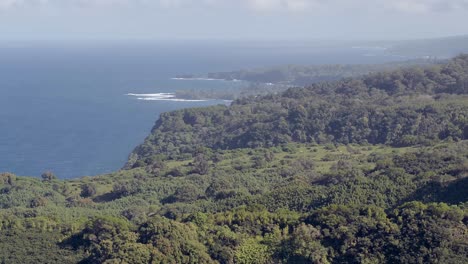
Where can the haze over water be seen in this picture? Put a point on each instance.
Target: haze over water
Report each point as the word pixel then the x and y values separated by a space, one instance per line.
pixel 65 107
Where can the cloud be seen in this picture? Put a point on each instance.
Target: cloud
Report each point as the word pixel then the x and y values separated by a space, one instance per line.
pixel 403 6
pixel 293 5
pixel 70 3
pixel 255 4
pixel 4 4
pixel 426 6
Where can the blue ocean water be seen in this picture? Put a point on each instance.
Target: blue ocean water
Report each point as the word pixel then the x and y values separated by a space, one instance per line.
pixel 64 108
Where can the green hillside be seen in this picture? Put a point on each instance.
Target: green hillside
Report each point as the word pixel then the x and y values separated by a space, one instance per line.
pixel 399 108
pixel 365 170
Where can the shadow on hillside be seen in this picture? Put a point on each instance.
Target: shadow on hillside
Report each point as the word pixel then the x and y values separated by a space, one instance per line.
pixel 107 197
pixel 451 193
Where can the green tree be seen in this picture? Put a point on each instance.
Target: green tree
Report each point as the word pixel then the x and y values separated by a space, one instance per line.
pixel 88 190
pixel 201 165
pixel 7 178
pixel 252 251
pixel 48 176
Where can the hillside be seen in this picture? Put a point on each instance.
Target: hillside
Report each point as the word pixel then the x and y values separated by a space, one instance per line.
pixel 399 108
pixel 371 169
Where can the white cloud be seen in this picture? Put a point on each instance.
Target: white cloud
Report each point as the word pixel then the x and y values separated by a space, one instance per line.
pixel 406 6
pixel 67 3
pixel 424 6
pixel 411 6
pixel 293 5
pixel 255 4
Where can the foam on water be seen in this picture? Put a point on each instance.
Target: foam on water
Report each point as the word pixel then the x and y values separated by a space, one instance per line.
pixel 153 95
pixel 197 79
pixel 172 100
pixel 162 97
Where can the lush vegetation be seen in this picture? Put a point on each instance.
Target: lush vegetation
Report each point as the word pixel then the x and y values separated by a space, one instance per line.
pixel 245 89
pixel 367 170
pixel 400 108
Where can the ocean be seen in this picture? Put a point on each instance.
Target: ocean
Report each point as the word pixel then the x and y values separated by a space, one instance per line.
pixel 79 109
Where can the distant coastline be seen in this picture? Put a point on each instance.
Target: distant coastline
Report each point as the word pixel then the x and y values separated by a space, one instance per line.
pixel 194 78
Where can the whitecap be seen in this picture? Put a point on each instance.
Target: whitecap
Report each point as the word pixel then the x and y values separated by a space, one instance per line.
pixel 169 99
pixel 197 79
pixel 162 97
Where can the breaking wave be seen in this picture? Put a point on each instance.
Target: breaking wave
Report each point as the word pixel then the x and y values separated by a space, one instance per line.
pixel 162 97
pixel 197 79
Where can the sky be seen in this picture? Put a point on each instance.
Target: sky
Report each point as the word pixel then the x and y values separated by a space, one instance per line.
pixel 231 19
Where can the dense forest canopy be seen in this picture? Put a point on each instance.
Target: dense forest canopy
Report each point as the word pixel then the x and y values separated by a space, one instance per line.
pixel 364 170
pixel 398 108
